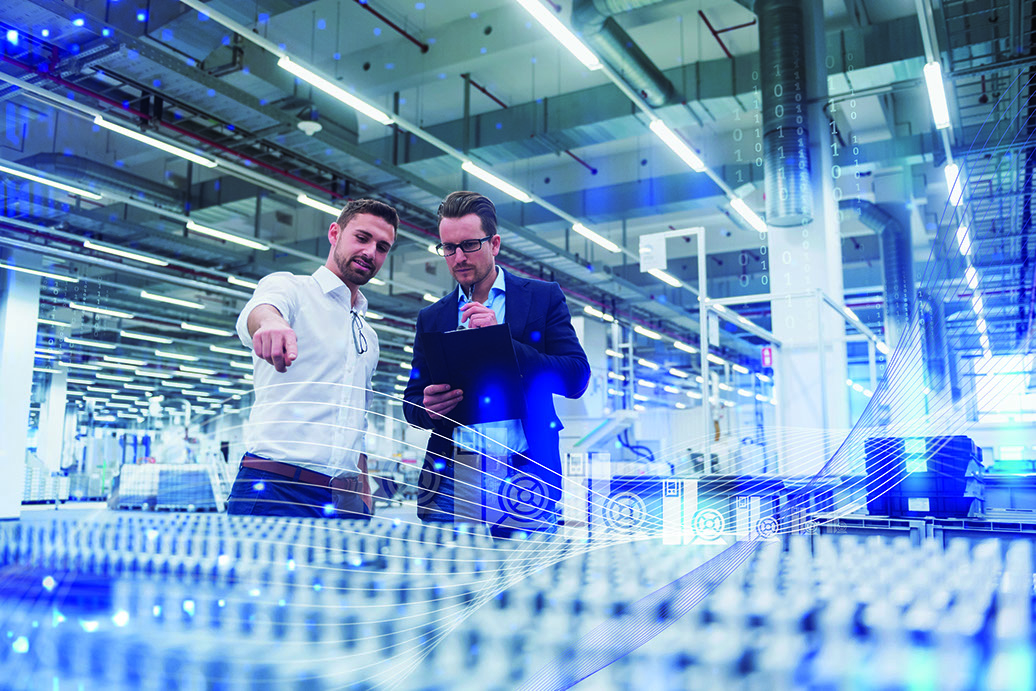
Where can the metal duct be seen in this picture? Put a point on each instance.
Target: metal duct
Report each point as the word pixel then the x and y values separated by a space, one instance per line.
pixel 933 337
pixel 80 168
pixel 897 261
pixel 786 164
pixel 593 20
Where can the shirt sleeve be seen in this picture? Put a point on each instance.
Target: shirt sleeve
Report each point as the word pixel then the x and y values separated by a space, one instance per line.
pixel 278 290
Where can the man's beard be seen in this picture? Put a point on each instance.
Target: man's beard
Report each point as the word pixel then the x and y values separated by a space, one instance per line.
pixel 352 273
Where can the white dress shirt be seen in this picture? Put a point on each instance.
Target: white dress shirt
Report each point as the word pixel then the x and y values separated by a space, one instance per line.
pixel 313 415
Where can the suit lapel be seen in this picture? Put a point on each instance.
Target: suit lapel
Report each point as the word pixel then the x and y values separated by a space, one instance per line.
pixel 446 320
pixel 517 297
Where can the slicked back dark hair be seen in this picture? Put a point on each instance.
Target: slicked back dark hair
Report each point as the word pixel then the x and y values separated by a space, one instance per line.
pixel 368 206
pixel 458 204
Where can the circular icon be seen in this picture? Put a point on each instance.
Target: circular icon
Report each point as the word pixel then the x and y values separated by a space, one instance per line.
pixel 625 511
pixel 766 527
pixel 524 498
pixel 708 524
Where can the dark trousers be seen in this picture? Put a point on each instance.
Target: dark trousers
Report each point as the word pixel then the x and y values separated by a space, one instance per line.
pixel 260 493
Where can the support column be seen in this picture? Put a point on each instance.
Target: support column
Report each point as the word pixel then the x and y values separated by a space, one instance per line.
pixel 19 308
pixel 593 336
pixel 805 257
pixel 50 439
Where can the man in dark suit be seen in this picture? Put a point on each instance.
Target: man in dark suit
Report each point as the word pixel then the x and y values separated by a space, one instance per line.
pixel 523 454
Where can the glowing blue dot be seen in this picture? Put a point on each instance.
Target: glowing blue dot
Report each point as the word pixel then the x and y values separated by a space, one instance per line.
pixel 119 163
pixel 329 509
pixel 211 92
pixel 78 21
pixel 45 33
pixel 431 41
pixel 221 602
pixel 231 128
pixel 282 46
pixel 553 424
pixel 500 125
pixel 474 15
pixel 317 587
pixel 337 56
pixel 263 18
pixel 535 336
pixel 142 16
pixel 486 400
pixel 20 645
pixel 259 486
pixel 418 5
pixel 390 65
pixel 281 602
pixel 246 70
pixel 377 31
pixel 442 75
pixel 321 24
pixel 106 31
pixel 483 51
pixel 226 40
pixel 263 101
pixel 49 583
pixel 402 101
pixel 191 62
pixel 12 37
pixel 157 83
pixel 188 607
pixel 202 17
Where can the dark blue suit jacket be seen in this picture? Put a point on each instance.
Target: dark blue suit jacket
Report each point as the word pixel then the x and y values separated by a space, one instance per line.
pixel 551 361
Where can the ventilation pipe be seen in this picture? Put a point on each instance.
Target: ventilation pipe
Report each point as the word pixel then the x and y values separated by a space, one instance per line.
pixel 897 261
pixel 593 19
pixel 933 335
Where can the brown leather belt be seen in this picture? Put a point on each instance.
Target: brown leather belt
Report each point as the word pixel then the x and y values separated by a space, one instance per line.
pixel 293 472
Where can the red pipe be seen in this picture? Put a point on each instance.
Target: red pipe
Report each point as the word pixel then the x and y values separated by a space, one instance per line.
pixel 716 32
pixel 467 75
pixel 366 5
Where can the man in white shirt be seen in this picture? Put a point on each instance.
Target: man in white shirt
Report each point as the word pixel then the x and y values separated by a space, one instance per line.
pixel 314 357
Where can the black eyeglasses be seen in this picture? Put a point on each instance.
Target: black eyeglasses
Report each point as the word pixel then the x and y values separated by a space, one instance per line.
pixel 448 249
pixel 359 340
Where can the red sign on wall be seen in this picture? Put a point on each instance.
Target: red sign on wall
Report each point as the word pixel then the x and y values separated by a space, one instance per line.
pixel 767 356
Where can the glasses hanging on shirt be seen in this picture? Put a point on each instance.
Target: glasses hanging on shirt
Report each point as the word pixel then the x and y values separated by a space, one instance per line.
pixel 359 340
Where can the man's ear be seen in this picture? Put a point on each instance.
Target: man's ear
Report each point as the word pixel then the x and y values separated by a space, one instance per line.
pixel 495 244
pixel 332 234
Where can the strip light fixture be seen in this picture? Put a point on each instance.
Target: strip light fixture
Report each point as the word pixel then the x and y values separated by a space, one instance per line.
pixel 964 240
pixel 51 183
pixel 89 343
pixel 156 143
pixel 100 310
pixel 53 322
pixel 333 90
pixel 428 297
pixel 954 183
pixel 655 336
pixel 318 205
pixel 750 217
pixel 230 351
pixel 186 326
pixel 679 345
pixel 677 145
pixel 145 337
pixel 90 245
pixel 595 238
pixel 500 184
pixel 665 278
pixel 228 237
pixel 594 312
pixel 971 276
pixel 235 281
pixel 124 361
pixel 562 33
pixel 44 274
pixel 171 301
pixel 175 356
pixel 937 94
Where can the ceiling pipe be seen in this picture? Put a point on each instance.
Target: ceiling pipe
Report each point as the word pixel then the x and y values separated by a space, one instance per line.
pixel 594 20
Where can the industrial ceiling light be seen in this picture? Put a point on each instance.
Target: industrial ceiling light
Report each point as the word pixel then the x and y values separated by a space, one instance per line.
pixel 230 351
pixel 972 277
pixel 51 183
pixel 937 94
pixel 314 79
pixel 35 272
pixel 175 356
pixel 171 301
pixel 954 183
pixel 678 373
pixel 595 238
pixel 964 240
pixel 145 337
pixel 684 347
pixel 90 245
pixel 318 205
pixel 677 145
pixel 647 332
pixel 502 185
pixel 89 343
pixel 749 216
pixel 235 281
pixel 100 310
pixel 186 326
pixel 228 237
pixel 646 383
pixel 740 368
pixel 52 322
pixel 156 143
pixel 594 312
pixel 428 297
pixel 124 361
pixel 647 363
pixel 562 33
pixel 717 360
pixel 665 278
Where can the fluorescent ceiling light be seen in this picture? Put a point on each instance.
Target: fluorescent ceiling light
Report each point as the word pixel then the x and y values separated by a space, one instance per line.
pixel 964 240
pixel 740 368
pixel 52 351
pixel 762 377
pixel 639 408
pixel 976 302
pixel 72 380
pixel 679 405
pixel 101 389
pixel 124 361
pixel 100 310
pixel 612 353
pixel 684 347
pixel 647 363
pixel 35 272
pixel 406 365
pixel 954 183
pixel 670 389
pixel 172 301
pixel 562 33
pixel 333 90
pixel 882 347
pixel 123 253
pixel 428 297
pixel 175 356
pixel 972 277
pixel 640 397
pixel 92 344
pixel 595 238
pixel 431 249
pixel 230 351
pixel 318 205
pixel 73 365
pixel 648 384
pixel 725 387
pixel 665 278
pixel 46 370
pixel 594 312
pixel 981 324
pixel 229 237
pixel 678 146
pixel 139 387
pixel 157 143
pixel 984 340
pixel 678 373
pixel 372 315
pixel 238 392
pixel 647 332
pixel 693 394
pixel 402 377
pixel 205 329
pixel 152 373
pixel 500 184
pixel 619 377
pixel 52 322
pixel 745 392
pixel 749 216
pixel 50 183
pixel 376 281
pixel 241 365
pixel 716 359
pixel 41 356
pixel 145 337
pixel 234 280
pixel 197 370
pixel 937 94
pixel 114 377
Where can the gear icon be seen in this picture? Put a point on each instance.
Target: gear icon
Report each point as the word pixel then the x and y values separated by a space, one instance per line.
pixel 708 524
pixel 766 528
pixel 625 512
